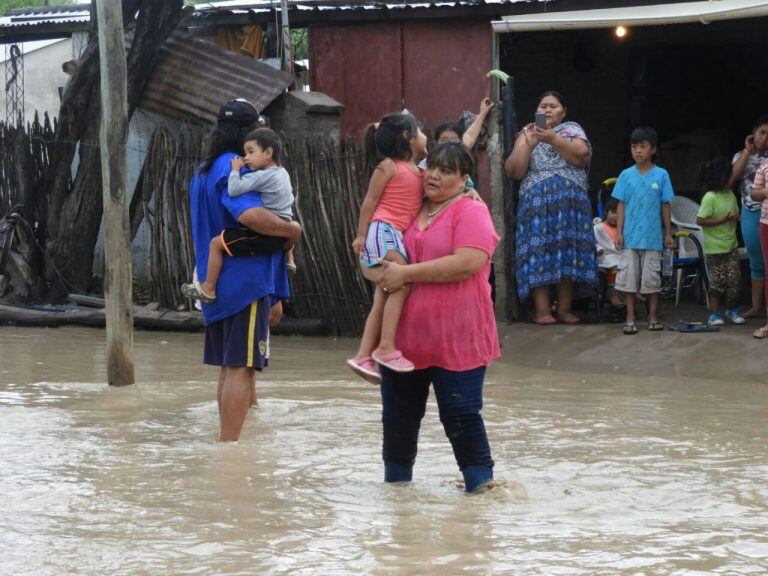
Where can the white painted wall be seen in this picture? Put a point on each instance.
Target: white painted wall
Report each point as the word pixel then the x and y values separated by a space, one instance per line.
pixel 42 78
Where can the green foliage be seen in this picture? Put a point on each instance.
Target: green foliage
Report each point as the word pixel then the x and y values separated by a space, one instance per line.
pixel 300 43
pixel 6 5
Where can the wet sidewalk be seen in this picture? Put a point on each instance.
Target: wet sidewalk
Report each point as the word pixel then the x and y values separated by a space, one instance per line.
pixel 731 354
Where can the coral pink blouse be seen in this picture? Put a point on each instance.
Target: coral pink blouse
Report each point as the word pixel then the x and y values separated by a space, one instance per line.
pixel 451 324
pixel 401 199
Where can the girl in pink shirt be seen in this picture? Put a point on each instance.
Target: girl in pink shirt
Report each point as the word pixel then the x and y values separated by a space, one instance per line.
pixel 394 197
pixel 447 327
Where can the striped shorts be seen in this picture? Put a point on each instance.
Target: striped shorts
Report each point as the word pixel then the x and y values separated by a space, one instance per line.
pixel 381 238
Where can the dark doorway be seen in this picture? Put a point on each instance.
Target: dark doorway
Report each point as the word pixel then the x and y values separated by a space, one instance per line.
pixel 700 87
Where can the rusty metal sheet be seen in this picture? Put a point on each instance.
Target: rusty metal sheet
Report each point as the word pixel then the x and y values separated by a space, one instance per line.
pixel 193 78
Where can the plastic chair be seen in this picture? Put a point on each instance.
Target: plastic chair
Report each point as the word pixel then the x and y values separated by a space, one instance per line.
pixel 691 261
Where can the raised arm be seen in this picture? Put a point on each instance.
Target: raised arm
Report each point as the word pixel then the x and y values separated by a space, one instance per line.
pixel 471 133
pixel 238 185
pixel 741 162
pixel 516 165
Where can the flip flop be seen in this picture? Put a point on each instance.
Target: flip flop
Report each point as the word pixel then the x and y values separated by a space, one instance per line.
pixel 366 369
pixel 630 328
pixel 395 361
pixel 195 291
pixel 655 326
pixel 686 326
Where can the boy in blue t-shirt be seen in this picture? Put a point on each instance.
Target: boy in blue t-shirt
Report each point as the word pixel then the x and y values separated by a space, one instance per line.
pixel 644 192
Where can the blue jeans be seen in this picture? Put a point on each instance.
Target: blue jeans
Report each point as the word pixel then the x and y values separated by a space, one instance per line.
pixel 459 399
pixel 750 231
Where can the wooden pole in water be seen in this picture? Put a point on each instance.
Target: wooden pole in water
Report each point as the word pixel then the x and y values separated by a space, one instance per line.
pixel 114 171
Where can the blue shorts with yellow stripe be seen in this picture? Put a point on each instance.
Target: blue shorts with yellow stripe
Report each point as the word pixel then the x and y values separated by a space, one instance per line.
pixel 240 340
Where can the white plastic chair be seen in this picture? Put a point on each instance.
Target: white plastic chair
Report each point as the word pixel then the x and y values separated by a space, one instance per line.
pixel 684 211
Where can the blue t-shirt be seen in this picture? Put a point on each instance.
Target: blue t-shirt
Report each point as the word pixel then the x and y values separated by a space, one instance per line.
pixel 643 195
pixel 243 279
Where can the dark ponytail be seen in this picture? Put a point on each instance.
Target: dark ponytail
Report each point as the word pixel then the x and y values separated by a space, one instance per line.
pixel 224 137
pixel 391 138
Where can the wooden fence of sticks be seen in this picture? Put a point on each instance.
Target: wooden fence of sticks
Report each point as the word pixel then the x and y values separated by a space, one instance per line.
pixel 329 179
pixel 24 153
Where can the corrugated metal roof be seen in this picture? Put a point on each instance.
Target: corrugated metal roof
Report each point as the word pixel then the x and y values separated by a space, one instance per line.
pixel 326 5
pixel 44 22
pixel 193 78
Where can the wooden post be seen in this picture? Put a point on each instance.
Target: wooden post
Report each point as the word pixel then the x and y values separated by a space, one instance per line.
pixel 287 62
pixel 117 233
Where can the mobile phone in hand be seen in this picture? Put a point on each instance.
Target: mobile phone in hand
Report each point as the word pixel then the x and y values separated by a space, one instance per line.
pixel 540 119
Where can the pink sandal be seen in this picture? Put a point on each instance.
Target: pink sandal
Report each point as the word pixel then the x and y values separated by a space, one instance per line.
pixel 395 361
pixel 366 369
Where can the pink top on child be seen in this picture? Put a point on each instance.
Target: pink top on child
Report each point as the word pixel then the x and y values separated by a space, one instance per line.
pixel 761 180
pixel 401 199
pixel 451 324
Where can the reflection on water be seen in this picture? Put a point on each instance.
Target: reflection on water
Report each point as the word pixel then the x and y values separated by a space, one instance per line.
pixel 623 475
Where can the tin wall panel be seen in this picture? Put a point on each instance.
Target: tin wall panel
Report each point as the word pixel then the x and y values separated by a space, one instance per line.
pixel 193 78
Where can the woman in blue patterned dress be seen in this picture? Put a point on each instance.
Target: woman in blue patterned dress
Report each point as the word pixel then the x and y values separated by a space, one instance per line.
pixel 555 242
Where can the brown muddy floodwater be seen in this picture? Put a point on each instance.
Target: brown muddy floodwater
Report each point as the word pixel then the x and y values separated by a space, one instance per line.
pixel 624 475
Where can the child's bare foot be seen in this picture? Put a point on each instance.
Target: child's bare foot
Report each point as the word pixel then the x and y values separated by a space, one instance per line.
pixel 568 318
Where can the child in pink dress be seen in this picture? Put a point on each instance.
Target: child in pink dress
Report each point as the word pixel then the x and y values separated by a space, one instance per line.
pixel 394 197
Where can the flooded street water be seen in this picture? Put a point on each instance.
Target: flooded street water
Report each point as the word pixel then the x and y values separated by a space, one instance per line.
pixel 600 473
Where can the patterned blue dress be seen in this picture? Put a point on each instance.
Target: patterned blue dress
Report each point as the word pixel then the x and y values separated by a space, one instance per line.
pixel 555 240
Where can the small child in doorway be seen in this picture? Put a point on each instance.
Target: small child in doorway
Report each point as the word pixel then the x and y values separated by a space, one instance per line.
pixel 393 199
pixel 608 257
pixel 263 150
pixel 644 227
pixel 717 217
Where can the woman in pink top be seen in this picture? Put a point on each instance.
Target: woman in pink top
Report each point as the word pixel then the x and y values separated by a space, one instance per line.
pixel 447 327
pixel 759 193
pixel 394 197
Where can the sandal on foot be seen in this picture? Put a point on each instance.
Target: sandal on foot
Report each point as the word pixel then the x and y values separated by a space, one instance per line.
pixel 195 291
pixel 545 320
pixel 630 328
pixel 366 369
pixel 761 333
pixel 395 361
pixel 655 326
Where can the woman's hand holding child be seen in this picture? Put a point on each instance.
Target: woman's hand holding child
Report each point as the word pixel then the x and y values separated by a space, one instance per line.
pixel 392 276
